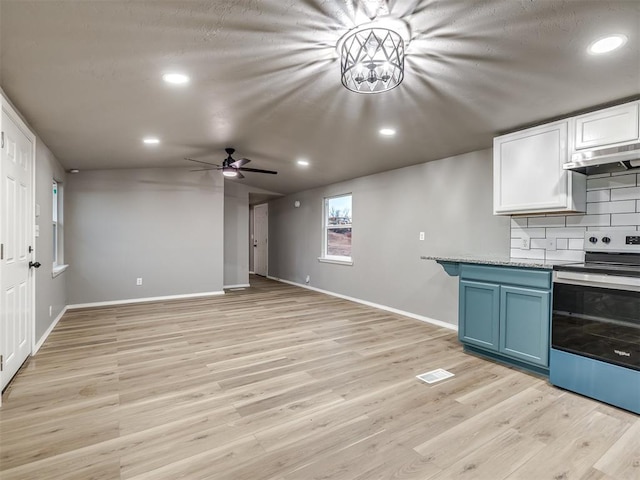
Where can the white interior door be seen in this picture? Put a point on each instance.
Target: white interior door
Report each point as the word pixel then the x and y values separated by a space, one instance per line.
pixel 260 239
pixel 16 198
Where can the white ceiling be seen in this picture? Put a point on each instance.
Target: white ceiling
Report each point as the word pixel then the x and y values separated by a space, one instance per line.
pixel 265 79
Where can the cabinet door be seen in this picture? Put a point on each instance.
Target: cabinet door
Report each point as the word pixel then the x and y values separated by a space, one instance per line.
pixel 479 314
pixel 524 324
pixel 527 170
pixel 606 127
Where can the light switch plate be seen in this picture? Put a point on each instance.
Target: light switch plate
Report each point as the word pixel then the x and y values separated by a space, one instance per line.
pixel 421 235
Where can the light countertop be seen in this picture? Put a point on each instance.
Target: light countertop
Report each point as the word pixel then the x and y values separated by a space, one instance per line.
pixel 499 261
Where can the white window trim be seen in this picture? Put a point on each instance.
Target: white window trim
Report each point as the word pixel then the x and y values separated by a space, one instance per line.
pixel 335 259
pixel 58 269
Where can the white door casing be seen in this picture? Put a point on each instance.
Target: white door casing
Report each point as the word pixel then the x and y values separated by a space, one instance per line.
pixel 260 239
pixel 16 237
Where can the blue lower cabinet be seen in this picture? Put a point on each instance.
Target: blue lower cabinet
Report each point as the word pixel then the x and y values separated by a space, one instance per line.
pixel 479 314
pixel 507 316
pixel 524 324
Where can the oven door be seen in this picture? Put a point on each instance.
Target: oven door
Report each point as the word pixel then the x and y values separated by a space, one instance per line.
pixel 597 316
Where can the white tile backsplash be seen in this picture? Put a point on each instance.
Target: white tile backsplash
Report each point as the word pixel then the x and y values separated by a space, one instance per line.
pixel 629 193
pixel 577 232
pixel 625 219
pixel 576 243
pixel 622 206
pixel 601 196
pixel 552 221
pixel 621 181
pixel 613 203
pixel 568 255
pixel 588 220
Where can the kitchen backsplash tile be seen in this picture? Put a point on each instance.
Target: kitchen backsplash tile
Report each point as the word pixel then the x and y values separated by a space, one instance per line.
pixel 613 203
pixel 628 193
pixel 622 206
pixel 625 219
pixel 619 181
pixel 550 221
pixel 602 195
pixel 589 220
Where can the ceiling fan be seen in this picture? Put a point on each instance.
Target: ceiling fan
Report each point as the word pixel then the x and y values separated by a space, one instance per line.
pixel 230 167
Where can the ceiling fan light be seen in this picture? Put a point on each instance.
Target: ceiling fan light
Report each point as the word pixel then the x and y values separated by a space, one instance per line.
pixel 229 172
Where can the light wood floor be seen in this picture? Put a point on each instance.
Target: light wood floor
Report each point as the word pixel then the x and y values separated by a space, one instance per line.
pixel 277 382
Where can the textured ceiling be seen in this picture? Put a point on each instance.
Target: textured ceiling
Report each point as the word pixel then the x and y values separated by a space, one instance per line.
pixel 265 80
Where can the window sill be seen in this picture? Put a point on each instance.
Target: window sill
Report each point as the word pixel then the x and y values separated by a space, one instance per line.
pixel 335 260
pixel 58 269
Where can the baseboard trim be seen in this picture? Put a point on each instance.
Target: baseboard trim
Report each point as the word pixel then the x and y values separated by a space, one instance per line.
pixel 422 318
pixel 240 285
pixel 143 300
pixel 46 334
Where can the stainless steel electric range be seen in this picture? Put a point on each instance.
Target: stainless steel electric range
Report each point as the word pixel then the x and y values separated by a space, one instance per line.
pixel 595 324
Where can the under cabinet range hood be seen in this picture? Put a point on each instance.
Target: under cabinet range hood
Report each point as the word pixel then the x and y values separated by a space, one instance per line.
pixel 605 160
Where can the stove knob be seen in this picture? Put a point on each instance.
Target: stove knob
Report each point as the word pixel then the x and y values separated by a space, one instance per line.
pixel 593 239
pixel 606 240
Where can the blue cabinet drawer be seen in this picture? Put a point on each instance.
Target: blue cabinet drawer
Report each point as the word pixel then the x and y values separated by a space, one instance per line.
pixel 526 277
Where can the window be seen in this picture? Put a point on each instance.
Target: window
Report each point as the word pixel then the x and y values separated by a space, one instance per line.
pixel 336 245
pixel 56 217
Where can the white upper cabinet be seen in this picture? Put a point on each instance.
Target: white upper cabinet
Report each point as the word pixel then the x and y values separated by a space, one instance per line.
pixel 611 126
pixel 528 176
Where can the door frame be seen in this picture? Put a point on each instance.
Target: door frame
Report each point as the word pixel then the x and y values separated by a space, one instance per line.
pixel 266 207
pixel 7 107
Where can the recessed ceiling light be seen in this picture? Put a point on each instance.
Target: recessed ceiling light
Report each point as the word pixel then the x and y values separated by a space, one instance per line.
pixel 607 44
pixel 175 78
pixel 151 141
pixel 74 170
pixel 304 163
pixel 387 132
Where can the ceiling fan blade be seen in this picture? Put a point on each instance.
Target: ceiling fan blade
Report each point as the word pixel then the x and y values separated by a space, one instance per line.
pixel 239 175
pixel 257 170
pixel 239 163
pixel 200 161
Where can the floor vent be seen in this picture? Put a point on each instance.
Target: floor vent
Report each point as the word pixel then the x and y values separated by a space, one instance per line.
pixel 435 376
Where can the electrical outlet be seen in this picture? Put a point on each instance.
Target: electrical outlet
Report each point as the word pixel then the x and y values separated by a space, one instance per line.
pixel 139 281
pixel 421 235
pixel 308 279
pixel 526 243
pixel 551 244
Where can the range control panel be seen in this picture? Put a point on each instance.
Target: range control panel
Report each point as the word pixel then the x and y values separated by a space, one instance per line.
pixel 612 241
pixel 633 240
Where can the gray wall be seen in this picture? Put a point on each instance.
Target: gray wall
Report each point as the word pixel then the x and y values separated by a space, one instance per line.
pixel 50 292
pixel 164 225
pixel 236 234
pixel 450 200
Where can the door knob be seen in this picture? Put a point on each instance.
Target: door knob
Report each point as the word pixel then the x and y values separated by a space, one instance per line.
pixel 34 264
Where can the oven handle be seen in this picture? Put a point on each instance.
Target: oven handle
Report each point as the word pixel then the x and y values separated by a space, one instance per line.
pixel 597 280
